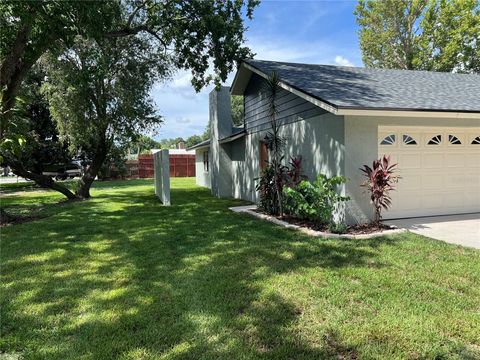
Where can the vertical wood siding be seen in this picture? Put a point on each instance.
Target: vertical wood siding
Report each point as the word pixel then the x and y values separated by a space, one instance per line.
pixel 291 108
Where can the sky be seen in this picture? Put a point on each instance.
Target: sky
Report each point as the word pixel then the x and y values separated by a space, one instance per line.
pixel 306 31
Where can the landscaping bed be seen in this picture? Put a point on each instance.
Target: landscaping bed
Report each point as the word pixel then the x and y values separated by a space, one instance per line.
pixel 366 231
pixel 351 229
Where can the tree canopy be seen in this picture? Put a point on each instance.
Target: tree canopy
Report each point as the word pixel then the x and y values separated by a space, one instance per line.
pixel 440 35
pixel 205 37
pixel 98 93
pixel 97 85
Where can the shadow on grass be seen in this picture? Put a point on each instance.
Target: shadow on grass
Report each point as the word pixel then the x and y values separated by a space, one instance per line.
pixel 122 276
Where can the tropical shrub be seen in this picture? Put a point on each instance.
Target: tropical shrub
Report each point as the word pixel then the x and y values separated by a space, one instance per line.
pixel 268 191
pixel 315 201
pixel 381 179
pixel 268 184
pixel 295 172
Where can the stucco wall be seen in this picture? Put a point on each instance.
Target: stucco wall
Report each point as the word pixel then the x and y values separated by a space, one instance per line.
pixel 361 136
pixel 202 177
pixel 320 141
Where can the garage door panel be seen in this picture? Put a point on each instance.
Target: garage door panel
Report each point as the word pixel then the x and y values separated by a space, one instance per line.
pixel 438 175
pixel 409 161
pixel 473 159
pixel 432 160
pixel 455 160
pixel 408 181
pixel 432 201
pixel 432 181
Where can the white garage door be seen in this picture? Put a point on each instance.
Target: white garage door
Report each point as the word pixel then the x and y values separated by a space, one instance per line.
pixel 440 170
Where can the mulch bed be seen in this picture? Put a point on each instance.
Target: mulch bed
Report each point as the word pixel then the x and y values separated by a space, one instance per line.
pixel 358 229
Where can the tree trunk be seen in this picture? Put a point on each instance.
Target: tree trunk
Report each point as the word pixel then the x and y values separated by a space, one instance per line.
pixel 42 180
pixel 85 183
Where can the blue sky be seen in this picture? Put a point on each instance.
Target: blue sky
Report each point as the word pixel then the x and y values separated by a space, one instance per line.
pixel 317 32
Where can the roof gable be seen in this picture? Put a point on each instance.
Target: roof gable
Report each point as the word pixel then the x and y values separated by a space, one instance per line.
pixel 376 89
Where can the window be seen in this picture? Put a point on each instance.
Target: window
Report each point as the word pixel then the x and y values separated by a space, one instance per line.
pixel 408 140
pixel 436 140
pixel 205 161
pixel 476 141
pixel 454 140
pixel 389 140
pixel 263 156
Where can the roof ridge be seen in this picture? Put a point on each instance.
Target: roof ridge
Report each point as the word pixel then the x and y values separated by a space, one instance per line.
pixel 361 67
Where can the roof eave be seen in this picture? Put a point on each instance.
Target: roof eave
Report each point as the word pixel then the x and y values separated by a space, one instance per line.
pixel 203 144
pixel 233 137
pixel 398 112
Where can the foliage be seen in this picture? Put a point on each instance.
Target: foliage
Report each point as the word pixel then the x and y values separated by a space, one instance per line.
pixel 143 144
pixel 290 175
pixel 237 110
pixel 295 172
pixel 420 34
pixel 338 228
pixel 267 189
pixel 114 165
pixel 275 144
pixel 200 35
pixel 99 94
pixel 381 179
pixel 315 201
pixel 43 145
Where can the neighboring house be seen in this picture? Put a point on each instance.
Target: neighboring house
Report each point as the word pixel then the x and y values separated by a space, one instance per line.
pixel 339 118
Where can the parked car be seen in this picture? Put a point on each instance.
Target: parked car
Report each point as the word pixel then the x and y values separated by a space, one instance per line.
pixel 63 171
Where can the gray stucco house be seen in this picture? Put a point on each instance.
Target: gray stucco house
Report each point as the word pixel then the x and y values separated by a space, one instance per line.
pixel 339 118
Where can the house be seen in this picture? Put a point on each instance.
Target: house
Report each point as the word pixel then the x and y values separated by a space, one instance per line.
pixel 339 118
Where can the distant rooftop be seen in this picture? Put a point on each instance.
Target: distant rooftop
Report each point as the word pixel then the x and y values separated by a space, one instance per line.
pixel 366 88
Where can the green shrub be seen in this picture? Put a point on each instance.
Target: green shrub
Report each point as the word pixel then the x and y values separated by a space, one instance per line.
pixel 337 228
pixel 268 183
pixel 315 201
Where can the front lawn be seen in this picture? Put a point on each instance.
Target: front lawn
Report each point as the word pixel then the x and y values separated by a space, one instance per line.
pixel 121 277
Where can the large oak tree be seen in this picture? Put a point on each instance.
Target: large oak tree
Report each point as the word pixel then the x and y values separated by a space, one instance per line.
pixel 203 36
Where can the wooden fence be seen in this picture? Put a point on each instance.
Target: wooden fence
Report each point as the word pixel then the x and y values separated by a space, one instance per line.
pixel 180 166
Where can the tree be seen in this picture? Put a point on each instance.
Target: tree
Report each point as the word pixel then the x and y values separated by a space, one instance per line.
pixel 237 110
pixel 98 93
pixel 144 144
pixel 43 145
pixel 196 34
pixel 435 35
pixel 192 140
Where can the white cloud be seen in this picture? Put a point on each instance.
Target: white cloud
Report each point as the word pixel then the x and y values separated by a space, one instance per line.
pixel 340 60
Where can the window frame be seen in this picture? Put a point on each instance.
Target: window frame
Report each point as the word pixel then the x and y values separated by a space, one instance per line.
pixel 206 162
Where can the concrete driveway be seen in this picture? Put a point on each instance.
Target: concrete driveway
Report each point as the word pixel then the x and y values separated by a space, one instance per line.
pixel 455 229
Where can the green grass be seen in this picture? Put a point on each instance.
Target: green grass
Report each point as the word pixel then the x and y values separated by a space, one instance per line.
pixel 121 277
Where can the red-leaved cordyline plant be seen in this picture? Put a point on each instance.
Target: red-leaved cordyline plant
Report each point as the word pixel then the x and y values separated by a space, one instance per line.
pixel 381 179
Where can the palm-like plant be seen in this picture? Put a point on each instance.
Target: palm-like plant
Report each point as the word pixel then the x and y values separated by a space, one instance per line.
pixel 381 179
pixel 275 143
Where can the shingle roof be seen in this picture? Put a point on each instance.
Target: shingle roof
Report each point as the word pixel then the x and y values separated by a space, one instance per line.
pixel 365 88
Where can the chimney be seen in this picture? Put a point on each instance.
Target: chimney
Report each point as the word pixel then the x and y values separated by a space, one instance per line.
pixel 181 145
pixel 220 127
pixel 220 113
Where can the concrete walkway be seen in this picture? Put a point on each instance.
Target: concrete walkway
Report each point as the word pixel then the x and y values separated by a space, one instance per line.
pixel 455 229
